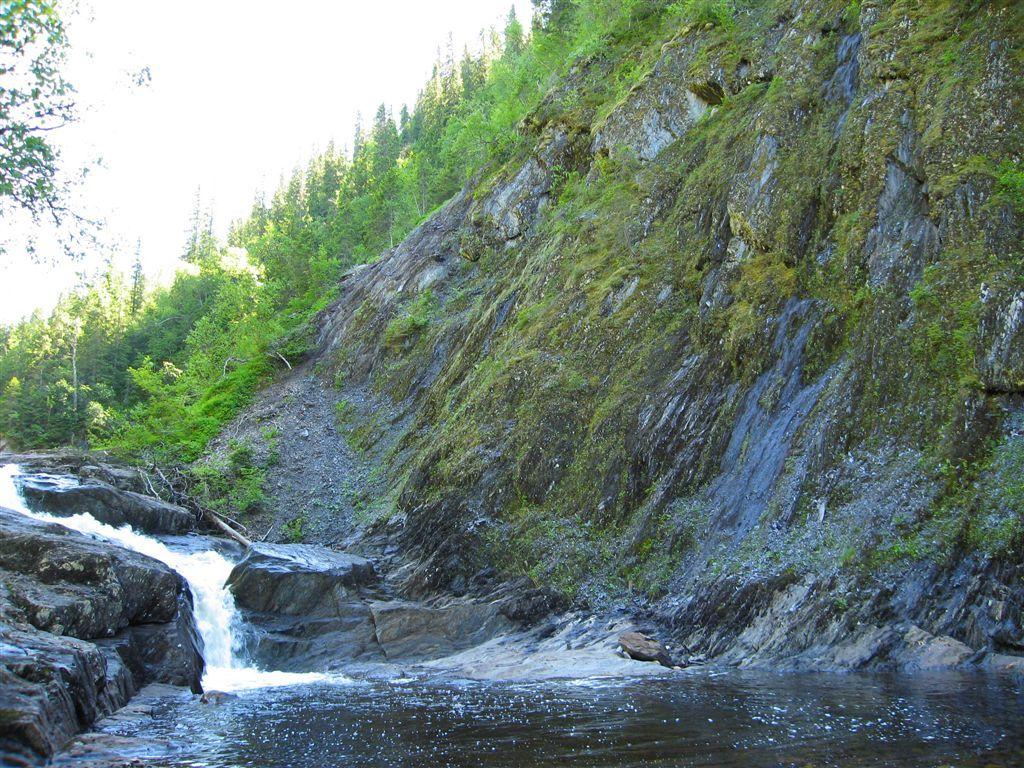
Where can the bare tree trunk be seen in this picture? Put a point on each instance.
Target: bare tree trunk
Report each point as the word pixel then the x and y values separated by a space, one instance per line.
pixel 227 529
pixel 74 384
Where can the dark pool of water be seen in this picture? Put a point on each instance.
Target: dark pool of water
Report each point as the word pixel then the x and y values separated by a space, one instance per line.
pixel 725 720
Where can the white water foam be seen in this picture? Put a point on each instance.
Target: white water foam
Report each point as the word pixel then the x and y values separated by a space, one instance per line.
pixel 206 572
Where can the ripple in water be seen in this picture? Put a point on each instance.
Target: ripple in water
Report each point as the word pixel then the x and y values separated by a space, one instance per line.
pixel 730 720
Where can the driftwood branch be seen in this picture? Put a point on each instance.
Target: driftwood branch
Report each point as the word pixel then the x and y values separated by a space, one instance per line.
pixel 230 532
pixel 166 482
pixel 283 359
pixel 224 370
pixel 180 487
pixel 149 483
pixel 233 523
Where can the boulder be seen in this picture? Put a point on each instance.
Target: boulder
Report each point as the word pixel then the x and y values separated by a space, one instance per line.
pixel 302 605
pixel 310 608
pixel 107 504
pixel 83 625
pixel 643 648
pixel 296 579
pixel 925 651
pixel 216 697
pixel 306 642
pixel 52 687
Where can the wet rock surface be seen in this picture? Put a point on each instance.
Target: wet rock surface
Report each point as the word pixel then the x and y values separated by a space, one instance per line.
pixel 643 648
pixel 310 608
pixel 108 504
pixel 83 625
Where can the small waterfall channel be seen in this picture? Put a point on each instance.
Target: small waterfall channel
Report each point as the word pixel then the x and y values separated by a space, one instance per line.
pixel 206 571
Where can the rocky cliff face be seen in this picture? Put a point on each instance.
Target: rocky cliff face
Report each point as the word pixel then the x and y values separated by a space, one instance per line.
pixel 737 342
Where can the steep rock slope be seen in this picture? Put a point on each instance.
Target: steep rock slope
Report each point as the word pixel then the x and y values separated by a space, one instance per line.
pixel 737 342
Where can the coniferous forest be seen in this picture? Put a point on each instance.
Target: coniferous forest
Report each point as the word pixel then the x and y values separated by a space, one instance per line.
pixel 157 370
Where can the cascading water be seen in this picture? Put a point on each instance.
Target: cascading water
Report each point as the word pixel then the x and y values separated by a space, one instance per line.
pixel 206 572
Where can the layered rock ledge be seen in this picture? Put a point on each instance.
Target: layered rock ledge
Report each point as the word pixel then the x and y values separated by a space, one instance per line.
pixel 83 625
pixel 312 608
pixel 108 504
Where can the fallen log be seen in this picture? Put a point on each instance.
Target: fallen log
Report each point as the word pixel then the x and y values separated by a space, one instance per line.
pixel 230 532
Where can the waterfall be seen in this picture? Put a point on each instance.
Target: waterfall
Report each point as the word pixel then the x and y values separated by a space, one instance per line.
pixel 206 572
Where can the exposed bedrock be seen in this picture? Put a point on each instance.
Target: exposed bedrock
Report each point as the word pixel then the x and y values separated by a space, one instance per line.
pixel 83 625
pixel 737 346
pixel 310 608
pixel 83 464
pixel 107 503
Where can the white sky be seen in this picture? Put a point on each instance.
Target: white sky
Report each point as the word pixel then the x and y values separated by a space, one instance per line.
pixel 242 92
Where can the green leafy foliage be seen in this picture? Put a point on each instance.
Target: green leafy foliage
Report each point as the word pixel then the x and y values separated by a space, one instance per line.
pixel 1010 183
pixel 231 484
pixel 158 374
pixel 294 530
pixel 715 12
pixel 34 100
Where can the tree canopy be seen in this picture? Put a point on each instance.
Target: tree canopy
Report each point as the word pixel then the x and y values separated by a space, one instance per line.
pixel 35 100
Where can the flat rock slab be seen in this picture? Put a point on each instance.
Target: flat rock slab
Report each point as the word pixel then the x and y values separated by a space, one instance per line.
pixel 109 505
pixel 415 632
pixel 573 646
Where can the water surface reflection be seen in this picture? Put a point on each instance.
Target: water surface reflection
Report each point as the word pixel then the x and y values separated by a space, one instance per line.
pixel 734 719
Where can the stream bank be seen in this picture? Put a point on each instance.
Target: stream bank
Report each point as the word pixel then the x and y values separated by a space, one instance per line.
pixel 330 636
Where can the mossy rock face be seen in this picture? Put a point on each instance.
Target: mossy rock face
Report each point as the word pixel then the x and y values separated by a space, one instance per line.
pixel 775 336
pixel 1000 347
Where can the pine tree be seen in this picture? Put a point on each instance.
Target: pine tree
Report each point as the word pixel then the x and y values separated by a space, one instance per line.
pixel 514 40
pixel 138 283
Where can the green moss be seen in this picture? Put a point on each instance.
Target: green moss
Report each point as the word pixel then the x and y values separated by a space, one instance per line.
pixel 943 344
pixel 413 318
pixel 1010 183
pixel 344 413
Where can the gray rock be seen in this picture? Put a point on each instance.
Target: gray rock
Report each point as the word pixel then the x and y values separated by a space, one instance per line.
pixel 303 607
pixel 122 478
pixel 296 579
pixel 664 106
pixel 108 505
pixel 1000 350
pixel 83 625
pixel 753 212
pixel 313 608
pixel 65 583
pixel 52 687
pixel 216 697
pixel 643 648
pixel 413 632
